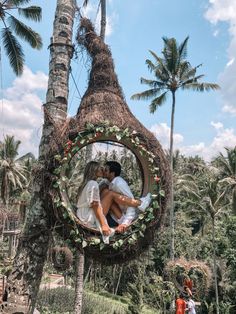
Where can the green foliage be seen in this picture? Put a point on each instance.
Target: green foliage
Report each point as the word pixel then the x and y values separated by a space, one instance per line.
pixel 14 174
pixel 13 29
pixel 61 300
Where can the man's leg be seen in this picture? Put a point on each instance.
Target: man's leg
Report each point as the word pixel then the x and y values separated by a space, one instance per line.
pixel 110 197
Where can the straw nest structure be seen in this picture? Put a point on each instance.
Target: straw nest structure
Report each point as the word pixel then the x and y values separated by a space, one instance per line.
pixel 103 115
pixel 198 272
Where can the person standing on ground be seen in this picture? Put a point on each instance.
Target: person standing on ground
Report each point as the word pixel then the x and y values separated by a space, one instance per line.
pixel 191 306
pixel 180 305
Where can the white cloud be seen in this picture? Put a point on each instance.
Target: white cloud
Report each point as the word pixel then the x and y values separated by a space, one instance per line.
pixel 225 137
pixel 217 125
pixel 230 62
pixel 162 133
pixel 21 113
pixel 94 13
pixel 216 33
pixel 225 11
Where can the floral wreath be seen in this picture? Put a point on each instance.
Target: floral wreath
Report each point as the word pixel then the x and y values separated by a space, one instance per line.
pixel 92 133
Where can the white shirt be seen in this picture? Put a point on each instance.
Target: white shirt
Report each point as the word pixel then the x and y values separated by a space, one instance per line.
pixel 84 212
pixel 119 185
pixel 191 307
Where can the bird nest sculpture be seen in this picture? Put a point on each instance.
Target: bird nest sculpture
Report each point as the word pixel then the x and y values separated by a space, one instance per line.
pixel 62 257
pixel 197 273
pixel 103 115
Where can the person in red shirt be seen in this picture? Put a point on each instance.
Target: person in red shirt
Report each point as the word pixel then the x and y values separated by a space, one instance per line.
pixel 188 286
pixel 180 305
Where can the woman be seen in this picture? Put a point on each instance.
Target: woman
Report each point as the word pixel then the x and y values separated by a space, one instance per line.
pixel 89 209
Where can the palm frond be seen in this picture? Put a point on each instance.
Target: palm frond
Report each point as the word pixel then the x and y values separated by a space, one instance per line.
pixel 150 64
pixel 187 73
pixel 183 69
pixel 234 201
pixel 18 2
pixel 231 155
pixel 155 56
pixel 160 66
pixel 32 13
pixel 152 83
pixel 183 49
pixel 157 102
pixel 85 3
pixel 162 75
pixel 191 80
pixel 25 32
pixel 171 54
pixel 147 94
pixel 229 181
pixel 201 87
pixel 13 50
pixel 224 165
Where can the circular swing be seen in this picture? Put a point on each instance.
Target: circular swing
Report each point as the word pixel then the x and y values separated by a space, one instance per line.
pixel 104 116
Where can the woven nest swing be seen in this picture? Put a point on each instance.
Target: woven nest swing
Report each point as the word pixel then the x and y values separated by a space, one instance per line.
pixel 104 116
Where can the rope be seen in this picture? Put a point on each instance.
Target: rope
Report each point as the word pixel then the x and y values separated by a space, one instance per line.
pixel 76 86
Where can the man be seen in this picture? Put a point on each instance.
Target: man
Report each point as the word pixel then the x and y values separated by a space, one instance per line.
pixel 180 305
pixel 122 215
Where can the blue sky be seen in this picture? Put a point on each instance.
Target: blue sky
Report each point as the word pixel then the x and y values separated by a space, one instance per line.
pixel 204 122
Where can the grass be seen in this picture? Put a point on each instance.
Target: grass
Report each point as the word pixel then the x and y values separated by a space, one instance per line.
pixel 61 300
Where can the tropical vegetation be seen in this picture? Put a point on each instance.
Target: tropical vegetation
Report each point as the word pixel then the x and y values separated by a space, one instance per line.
pixel 13 28
pixel 205 246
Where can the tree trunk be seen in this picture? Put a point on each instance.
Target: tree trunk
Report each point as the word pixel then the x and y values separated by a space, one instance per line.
pixel 24 280
pixel 215 267
pixel 79 282
pixel 103 19
pixel 172 222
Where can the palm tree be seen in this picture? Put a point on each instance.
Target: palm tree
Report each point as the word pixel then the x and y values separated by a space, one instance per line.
pixel 79 264
pixel 12 171
pixel 102 4
pixel 31 254
pixel 11 25
pixel 227 172
pixel 214 203
pixel 171 73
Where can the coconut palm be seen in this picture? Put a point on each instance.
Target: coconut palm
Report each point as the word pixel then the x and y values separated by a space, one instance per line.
pixel 214 203
pixel 11 25
pixel 171 72
pixel 12 171
pixel 102 4
pixel 37 227
pixel 227 171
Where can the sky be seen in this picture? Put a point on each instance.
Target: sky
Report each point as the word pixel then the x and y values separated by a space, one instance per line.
pixel 204 122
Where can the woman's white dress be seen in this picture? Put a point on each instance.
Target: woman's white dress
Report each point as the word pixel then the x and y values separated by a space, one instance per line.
pixel 85 213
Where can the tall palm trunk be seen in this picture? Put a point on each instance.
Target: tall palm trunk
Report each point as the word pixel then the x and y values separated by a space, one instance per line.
pixel 79 282
pixel 24 280
pixel 214 266
pixel 172 222
pixel 103 19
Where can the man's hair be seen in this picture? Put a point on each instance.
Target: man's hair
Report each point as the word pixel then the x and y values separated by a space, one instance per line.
pixel 114 166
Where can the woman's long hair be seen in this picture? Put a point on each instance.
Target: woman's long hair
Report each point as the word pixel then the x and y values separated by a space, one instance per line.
pixel 89 174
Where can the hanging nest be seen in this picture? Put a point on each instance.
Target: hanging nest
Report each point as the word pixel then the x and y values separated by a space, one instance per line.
pixel 62 257
pixel 198 273
pixel 103 115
